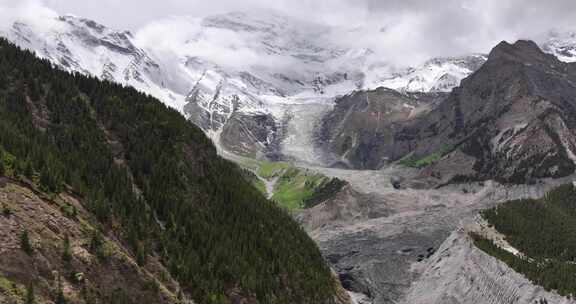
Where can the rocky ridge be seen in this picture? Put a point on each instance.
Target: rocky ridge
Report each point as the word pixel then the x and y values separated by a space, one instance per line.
pixel 514 112
pixel 461 273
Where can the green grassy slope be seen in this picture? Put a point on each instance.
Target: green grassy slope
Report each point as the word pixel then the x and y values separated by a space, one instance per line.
pixel 294 188
pixel 296 185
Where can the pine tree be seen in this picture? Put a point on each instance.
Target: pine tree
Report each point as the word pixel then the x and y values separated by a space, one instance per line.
pixel 216 223
pixel 50 179
pixel 30 298
pixel 60 298
pixel 2 165
pixel 28 169
pixel 66 253
pixel 98 246
pixel 25 243
pixel 140 255
pixel 6 210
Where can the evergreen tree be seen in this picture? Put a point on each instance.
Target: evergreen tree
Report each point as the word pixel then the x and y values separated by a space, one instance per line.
pixel 140 255
pixel 30 298
pixel 6 210
pixel 2 165
pixel 66 252
pixel 97 246
pixel 28 169
pixel 544 230
pixel 60 298
pixel 50 179
pixel 25 243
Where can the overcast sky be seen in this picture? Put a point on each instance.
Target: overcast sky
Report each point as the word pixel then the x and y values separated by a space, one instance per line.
pixel 423 27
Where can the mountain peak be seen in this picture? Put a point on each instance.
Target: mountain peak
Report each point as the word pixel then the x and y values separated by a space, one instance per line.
pixel 76 21
pixel 91 25
pixel 521 50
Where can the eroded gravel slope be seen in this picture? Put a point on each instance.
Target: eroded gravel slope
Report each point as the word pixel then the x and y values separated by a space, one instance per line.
pixel 380 239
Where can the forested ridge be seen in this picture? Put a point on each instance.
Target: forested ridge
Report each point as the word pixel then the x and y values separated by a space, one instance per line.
pixel 544 231
pixel 154 179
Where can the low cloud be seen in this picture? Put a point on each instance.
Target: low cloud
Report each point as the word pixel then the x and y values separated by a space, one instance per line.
pixel 186 37
pixel 32 12
pixel 400 31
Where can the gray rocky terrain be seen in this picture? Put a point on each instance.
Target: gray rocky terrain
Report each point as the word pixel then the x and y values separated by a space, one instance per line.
pixel 253 135
pixel 381 240
pixel 461 273
pixel 361 129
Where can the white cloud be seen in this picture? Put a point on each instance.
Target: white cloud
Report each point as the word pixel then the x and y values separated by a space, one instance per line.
pixel 398 30
pixel 33 12
pixel 185 37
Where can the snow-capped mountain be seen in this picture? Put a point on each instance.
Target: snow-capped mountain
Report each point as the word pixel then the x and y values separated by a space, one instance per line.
pixel 435 75
pixel 561 45
pixel 238 70
pixel 219 65
pixel 275 56
pixel 82 45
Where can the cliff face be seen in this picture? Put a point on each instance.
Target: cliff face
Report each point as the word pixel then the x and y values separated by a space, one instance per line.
pixel 461 273
pixel 361 129
pixel 69 255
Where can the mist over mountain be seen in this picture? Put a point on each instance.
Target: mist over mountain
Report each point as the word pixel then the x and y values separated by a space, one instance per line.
pixel 407 32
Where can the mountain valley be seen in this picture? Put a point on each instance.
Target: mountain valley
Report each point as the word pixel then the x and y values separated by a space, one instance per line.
pixel 387 168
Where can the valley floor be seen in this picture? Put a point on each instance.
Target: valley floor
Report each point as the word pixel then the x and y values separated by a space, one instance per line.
pixel 383 242
pixel 380 240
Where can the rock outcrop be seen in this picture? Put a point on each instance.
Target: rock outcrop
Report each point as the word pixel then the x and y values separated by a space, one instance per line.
pixel 252 135
pixel 361 129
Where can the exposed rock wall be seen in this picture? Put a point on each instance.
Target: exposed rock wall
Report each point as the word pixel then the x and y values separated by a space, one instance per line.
pixel 361 130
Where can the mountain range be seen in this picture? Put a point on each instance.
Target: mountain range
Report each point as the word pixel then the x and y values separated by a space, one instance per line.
pixel 244 105
pixel 285 62
pixel 415 149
